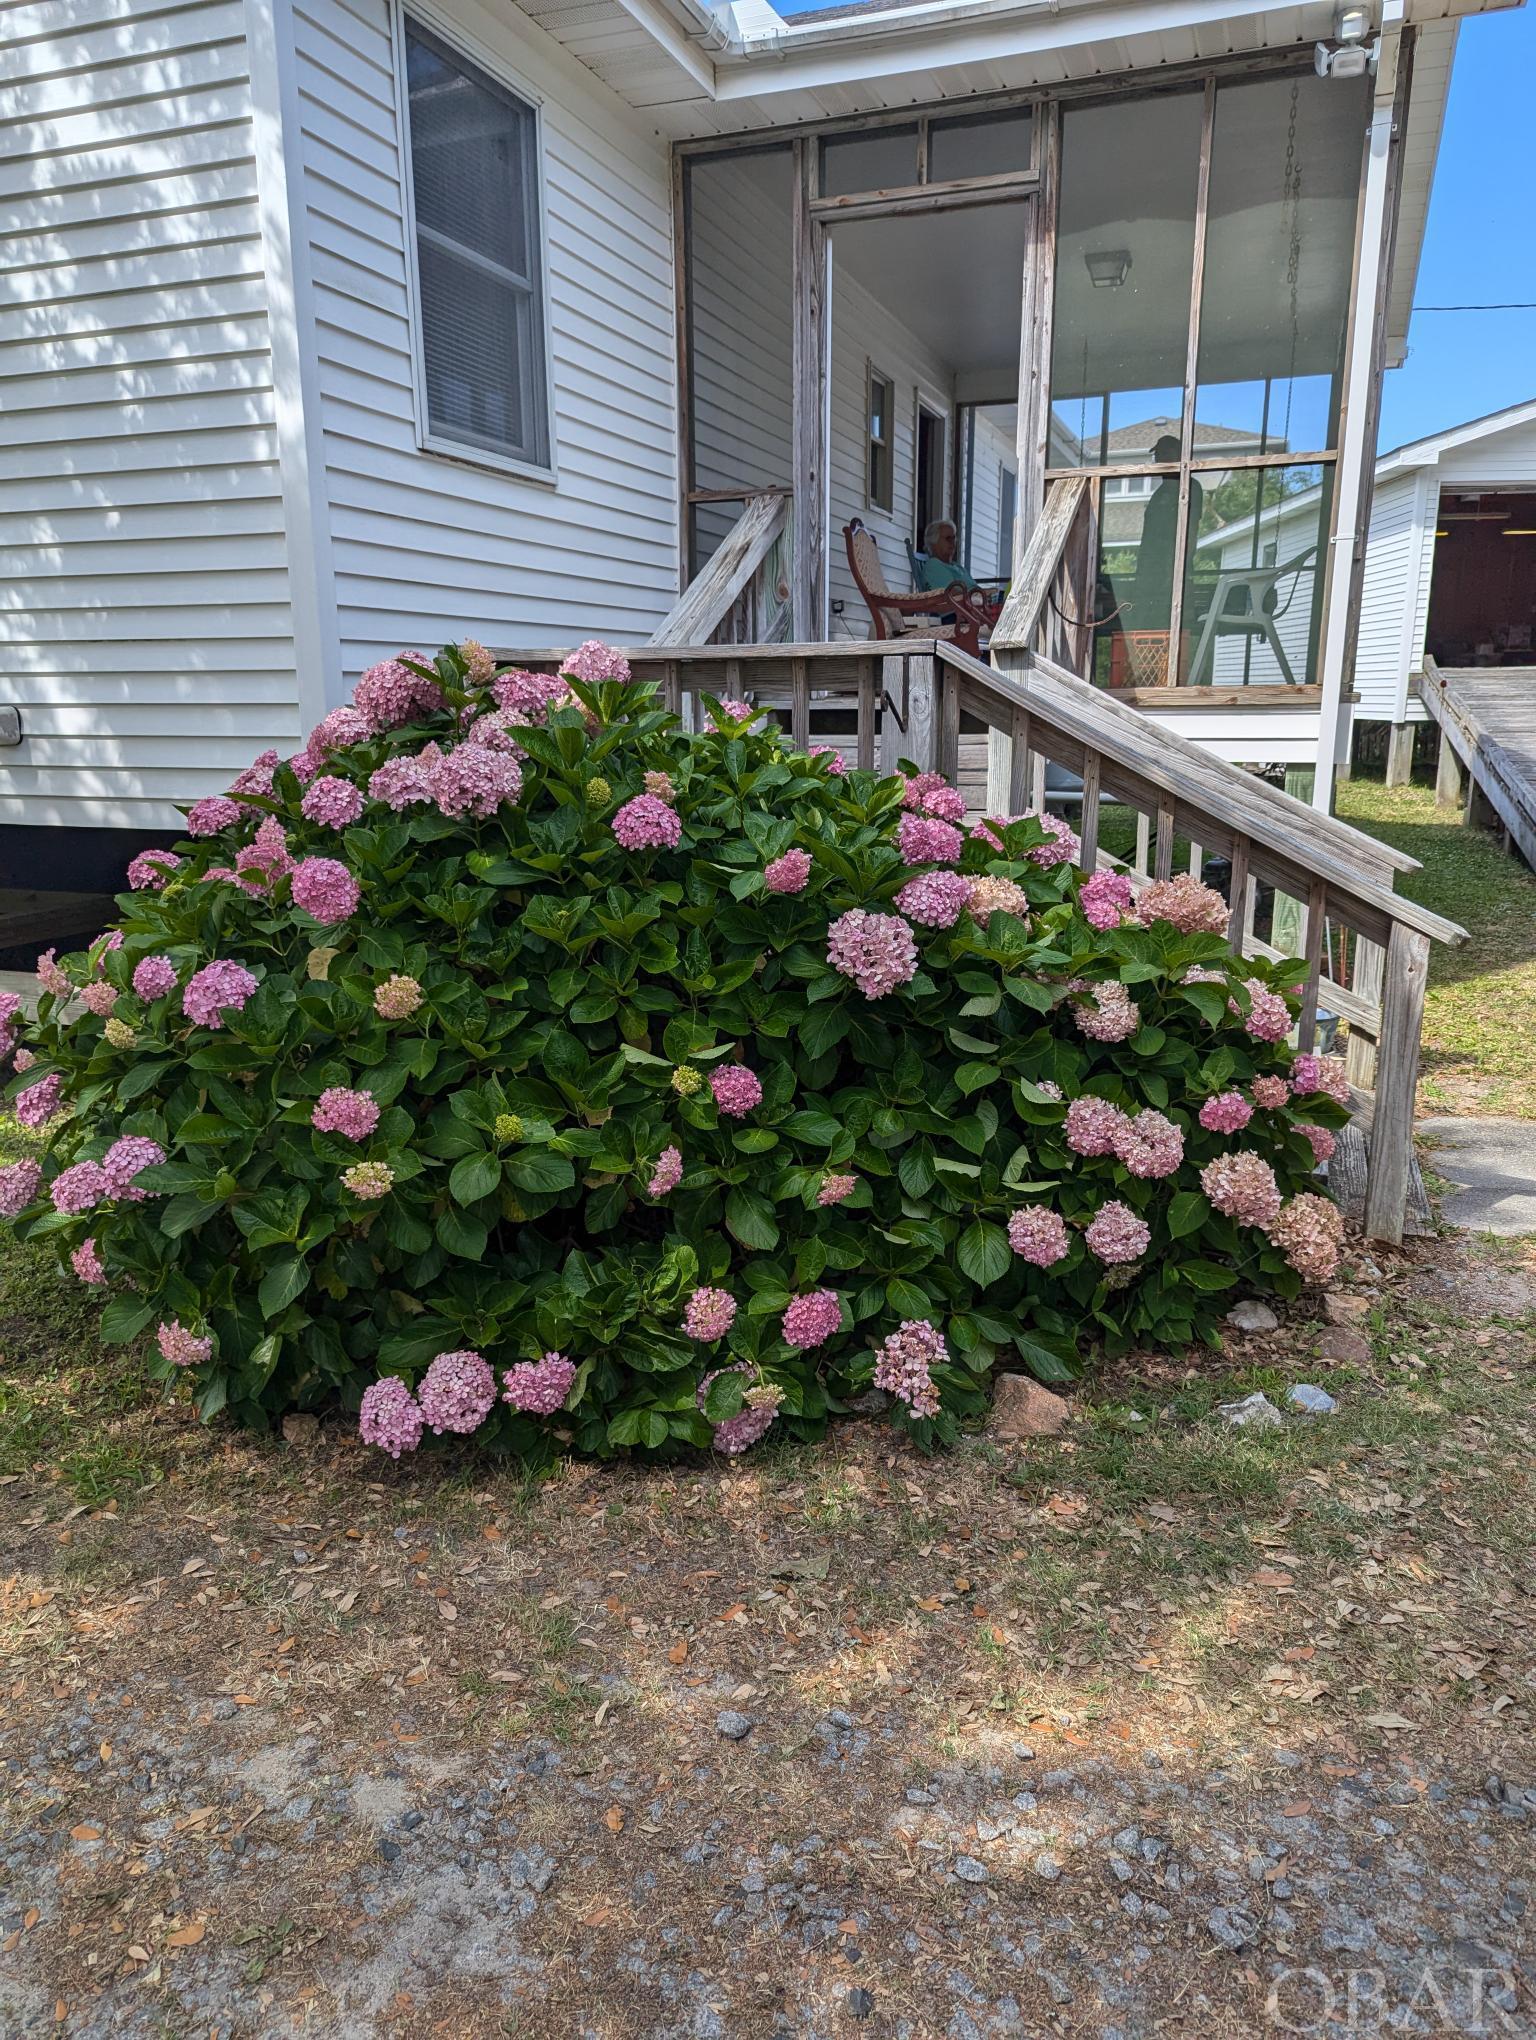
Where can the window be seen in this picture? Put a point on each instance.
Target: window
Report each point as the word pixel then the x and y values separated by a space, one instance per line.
pixel 879 482
pixel 474 192
pixel 1007 514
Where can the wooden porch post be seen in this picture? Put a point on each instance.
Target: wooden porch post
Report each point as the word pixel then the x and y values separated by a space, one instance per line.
pixel 1039 285
pixel 809 243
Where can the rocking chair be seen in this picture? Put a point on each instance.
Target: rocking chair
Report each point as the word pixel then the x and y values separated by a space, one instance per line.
pixel 950 613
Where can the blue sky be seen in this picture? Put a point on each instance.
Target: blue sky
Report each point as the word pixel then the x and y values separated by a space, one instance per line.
pixel 1480 245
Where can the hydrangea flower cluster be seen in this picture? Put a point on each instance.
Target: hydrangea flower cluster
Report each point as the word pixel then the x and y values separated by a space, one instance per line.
pixel 40 1102
pixel 646 823
pixel 1243 1186
pixel 990 895
pixel 1116 1234
pixel 52 977
pixel 1268 1017
pixel 935 899
pixel 19 1185
pixel 390 1417
pixel 1227 1112
pixel 353 1114
pixel 687 1081
pixel 259 777
pixel 875 950
pixel 182 1347
pixel 219 988
pixel 737 1090
pixel 1105 899
pixel 325 889
pixel 1093 1126
pixel 369 1180
pixel 1105 1011
pixel 333 803
pixel 1150 1145
pixel 457 1393
pixel 836 1189
pixel 1323 1144
pixel 837 764
pixel 667 1174
pixel 1039 1235
pixel 98 997
pixel 86 1263
pixel 750 1423
pixel 930 793
pixel 397 998
pixel 789 873
pixel 1270 1094
pixel 123 1163
pixel 1309 1231
pixel 710 1314
pixel 1193 908
pixel 811 1320
pixel 1311 1074
pixel 261 863
pixel 904 1363
pixel 473 780
pixel 592 662
pixel 80 1187
pixel 153 870
pixel 539 1387
pixel 154 976
pixel 922 839
pixel 212 815
pixel 390 694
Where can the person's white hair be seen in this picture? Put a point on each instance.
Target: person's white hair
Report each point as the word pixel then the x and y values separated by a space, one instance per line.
pixel 932 529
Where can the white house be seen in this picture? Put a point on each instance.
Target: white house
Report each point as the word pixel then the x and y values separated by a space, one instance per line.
pixel 1450 565
pixel 336 326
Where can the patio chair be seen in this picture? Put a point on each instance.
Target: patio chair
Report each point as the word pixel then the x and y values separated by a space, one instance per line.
pixel 944 613
pixel 1254 614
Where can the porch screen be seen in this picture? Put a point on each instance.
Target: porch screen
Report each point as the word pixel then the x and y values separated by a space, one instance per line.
pixel 740 336
pixel 475 193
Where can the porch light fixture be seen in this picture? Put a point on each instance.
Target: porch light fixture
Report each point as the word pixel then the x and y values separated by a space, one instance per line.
pixel 1108 267
pixel 1349 55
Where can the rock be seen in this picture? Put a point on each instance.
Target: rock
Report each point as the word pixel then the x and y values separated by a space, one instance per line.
pixel 300 1429
pixel 1344 1348
pixel 860 2003
pixel 1046 1866
pixel 1021 1408
pixel 1232 1928
pixel 732 1725
pixel 969 1871
pixel 1312 1402
pixel 1343 1307
pixel 1254 1412
pixel 1249 1315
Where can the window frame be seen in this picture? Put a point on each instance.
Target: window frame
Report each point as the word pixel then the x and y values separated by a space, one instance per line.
pixel 442 446
pixel 887 443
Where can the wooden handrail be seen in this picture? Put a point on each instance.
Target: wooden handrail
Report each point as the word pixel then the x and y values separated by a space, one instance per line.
pixel 1015 628
pixel 712 593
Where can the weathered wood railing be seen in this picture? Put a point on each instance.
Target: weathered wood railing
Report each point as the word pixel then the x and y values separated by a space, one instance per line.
pixel 932 704
pixel 730 600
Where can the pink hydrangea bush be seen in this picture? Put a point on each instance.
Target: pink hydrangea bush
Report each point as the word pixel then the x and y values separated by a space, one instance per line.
pixel 380 1092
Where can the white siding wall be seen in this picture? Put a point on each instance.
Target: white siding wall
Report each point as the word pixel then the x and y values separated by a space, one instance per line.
pixel 993 455
pixel 1391 574
pixel 863 331
pixel 742 335
pixel 1503 460
pixel 147 636
pixel 425 548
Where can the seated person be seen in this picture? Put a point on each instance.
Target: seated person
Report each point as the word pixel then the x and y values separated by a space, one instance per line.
pixel 938 568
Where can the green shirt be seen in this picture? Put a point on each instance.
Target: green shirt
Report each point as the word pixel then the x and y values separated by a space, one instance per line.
pixel 937 575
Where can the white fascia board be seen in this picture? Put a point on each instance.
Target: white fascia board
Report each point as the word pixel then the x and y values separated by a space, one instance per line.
pixel 687 47
pixel 882 46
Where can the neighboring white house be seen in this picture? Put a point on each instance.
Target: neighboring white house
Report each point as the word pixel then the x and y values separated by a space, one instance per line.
pixel 1450 564
pixel 336 326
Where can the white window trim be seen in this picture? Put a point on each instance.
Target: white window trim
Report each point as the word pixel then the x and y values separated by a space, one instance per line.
pixel 872 375
pixel 474 52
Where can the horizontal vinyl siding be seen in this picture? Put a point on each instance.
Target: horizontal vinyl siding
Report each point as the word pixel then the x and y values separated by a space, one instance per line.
pixel 1503 460
pixel 864 331
pixel 428 548
pixel 1391 560
pixel 992 455
pixel 145 631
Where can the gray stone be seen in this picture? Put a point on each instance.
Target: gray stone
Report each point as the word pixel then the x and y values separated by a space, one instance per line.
pixel 1232 1928
pixel 1248 1314
pixel 733 1725
pixel 1254 1412
pixel 1047 1866
pixel 1312 1402
pixel 1343 1347
pixel 859 2003
pixel 1344 1307
pixel 969 1871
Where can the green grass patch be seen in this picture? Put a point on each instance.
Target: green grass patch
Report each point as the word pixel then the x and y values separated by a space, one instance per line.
pixel 1480 1013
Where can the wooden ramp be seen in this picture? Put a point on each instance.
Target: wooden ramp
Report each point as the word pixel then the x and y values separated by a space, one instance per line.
pixel 1487 718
